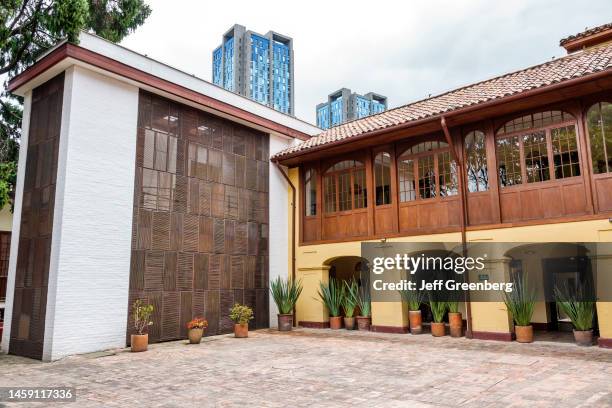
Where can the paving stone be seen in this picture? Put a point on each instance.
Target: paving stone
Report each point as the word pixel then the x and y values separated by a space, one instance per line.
pixel 325 368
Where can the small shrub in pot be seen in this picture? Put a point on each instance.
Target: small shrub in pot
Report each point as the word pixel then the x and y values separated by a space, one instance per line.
pixel 196 329
pixel 240 315
pixel 141 313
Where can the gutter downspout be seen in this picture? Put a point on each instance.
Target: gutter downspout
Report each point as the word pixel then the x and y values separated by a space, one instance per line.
pixel 293 197
pixel 463 222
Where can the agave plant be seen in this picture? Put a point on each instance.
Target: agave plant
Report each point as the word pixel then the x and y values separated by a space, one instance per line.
pixel 365 302
pixel 332 296
pixel 520 302
pixel 413 298
pixel 437 310
pixel 351 298
pixel 577 305
pixel 453 306
pixel 285 294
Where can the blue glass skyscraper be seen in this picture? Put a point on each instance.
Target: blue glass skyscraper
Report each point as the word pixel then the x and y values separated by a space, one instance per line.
pixel 257 66
pixel 343 106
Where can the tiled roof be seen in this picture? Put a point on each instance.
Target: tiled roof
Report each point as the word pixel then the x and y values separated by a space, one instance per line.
pixel 571 66
pixel 585 33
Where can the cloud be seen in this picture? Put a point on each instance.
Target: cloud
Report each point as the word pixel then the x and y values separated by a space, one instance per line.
pixel 403 49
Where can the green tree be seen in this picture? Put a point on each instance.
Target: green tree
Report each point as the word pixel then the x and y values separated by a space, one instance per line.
pixel 30 27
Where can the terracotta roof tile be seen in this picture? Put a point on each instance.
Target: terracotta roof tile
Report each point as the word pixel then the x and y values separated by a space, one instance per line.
pixel 571 66
pixel 585 33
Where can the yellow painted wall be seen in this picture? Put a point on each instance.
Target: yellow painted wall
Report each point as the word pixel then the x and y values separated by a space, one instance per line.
pixel 6 219
pixel 487 316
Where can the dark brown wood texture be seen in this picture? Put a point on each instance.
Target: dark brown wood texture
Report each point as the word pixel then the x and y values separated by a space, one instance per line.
pixel 5 249
pixel 31 278
pixel 200 230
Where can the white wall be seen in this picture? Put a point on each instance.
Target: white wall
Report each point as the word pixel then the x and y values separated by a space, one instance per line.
pixel 279 221
pixel 10 287
pixel 89 272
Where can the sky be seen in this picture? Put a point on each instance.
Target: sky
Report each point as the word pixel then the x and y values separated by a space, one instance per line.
pixel 406 50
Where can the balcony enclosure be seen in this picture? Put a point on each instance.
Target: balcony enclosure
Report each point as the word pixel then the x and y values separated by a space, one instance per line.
pixel 537 166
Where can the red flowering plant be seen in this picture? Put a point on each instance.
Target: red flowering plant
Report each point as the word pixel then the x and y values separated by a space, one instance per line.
pixel 197 323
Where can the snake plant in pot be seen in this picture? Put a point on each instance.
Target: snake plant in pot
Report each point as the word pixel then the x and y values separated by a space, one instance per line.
pixel 520 303
pixel 332 296
pixel 455 322
pixel 364 320
pixel 349 303
pixel 285 294
pixel 438 308
pixel 579 305
pixel 414 298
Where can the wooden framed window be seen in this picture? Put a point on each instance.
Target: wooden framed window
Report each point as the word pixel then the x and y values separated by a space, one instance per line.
pixel 344 186
pixel 476 162
pixel 426 170
pixel 406 180
pixel 537 147
pixel 599 125
pixel 382 178
pixel 310 192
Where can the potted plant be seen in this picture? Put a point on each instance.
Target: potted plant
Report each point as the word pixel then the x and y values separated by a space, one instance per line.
pixel 141 312
pixel 520 303
pixel 455 322
pixel 580 308
pixel 437 310
pixel 414 298
pixel 285 294
pixel 332 296
pixel 240 315
pixel 196 329
pixel 364 320
pixel 350 301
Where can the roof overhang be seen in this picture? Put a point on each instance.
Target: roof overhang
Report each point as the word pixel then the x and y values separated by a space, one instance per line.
pixel 109 59
pixel 530 99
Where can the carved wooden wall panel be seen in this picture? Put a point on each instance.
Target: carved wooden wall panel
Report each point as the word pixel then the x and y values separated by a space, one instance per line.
pixel 200 239
pixel 31 279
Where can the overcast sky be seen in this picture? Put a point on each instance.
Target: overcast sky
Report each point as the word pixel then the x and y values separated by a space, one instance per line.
pixel 402 49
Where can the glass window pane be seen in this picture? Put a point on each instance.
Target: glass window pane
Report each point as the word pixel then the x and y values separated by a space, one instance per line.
pixel 406 180
pixel 508 161
pixel 536 157
pixel 310 189
pixel 344 191
pixel 360 189
pixel 476 162
pixel 329 185
pixel 382 175
pixel 599 123
pixel 447 174
pixel 427 177
pixel 565 152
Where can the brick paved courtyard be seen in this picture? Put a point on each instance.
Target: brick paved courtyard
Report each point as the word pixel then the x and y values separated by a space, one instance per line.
pixel 322 368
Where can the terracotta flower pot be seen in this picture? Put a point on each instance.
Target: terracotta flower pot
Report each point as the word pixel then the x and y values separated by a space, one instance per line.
pixel 349 323
pixel 285 322
pixel 241 330
pixel 195 336
pixel 524 334
pixel 364 323
pixel 139 342
pixel 438 329
pixel 456 324
pixel 583 337
pixel 416 321
pixel 335 322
